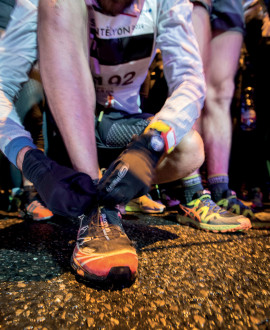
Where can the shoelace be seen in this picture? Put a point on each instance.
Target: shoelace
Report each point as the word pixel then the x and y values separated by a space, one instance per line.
pixel 234 200
pixel 211 204
pixel 101 231
pixel 33 205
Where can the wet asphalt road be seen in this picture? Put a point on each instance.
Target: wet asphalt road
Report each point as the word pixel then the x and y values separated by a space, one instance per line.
pixel 187 278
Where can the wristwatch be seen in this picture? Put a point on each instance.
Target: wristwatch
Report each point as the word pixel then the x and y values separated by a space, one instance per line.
pixel 163 136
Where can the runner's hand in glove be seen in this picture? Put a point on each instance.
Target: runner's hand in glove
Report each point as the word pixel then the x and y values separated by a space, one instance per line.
pixel 131 174
pixel 64 191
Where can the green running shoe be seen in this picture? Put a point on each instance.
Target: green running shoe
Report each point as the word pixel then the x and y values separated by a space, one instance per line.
pixel 230 202
pixel 203 213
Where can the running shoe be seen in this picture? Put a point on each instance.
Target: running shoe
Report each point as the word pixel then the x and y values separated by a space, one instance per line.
pixel 144 204
pixel 170 202
pixel 163 197
pixel 30 205
pixel 230 202
pixel 257 199
pixel 103 252
pixel 203 213
pixel 261 220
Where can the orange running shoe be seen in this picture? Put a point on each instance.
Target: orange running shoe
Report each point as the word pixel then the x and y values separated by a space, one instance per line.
pixel 103 251
pixel 36 211
pixel 30 205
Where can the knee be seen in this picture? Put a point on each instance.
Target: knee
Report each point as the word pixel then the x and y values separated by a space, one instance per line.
pixel 186 158
pixel 221 92
pixel 193 150
pixel 189 154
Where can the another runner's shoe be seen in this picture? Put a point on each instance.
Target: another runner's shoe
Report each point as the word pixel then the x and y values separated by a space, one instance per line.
pixel 30 205
pixel 261 220
pixel 144 204
pixel 36 211
pixel 205 214
pixel 103 251
pixel 230 202
pixel 163 197
pixel 170 202
pixel 257 199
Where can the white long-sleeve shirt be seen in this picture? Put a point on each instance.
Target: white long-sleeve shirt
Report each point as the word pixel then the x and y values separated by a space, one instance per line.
pixel 121 50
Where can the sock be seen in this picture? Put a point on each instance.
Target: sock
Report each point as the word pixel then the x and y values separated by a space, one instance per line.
pixel 218 184
pixel 183 189
pixel 190 185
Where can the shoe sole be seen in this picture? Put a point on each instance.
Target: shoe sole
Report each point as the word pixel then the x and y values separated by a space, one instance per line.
pixel 24 215
pixel 212 228
pixel 259 225
pixel 138 209
pixel 121 275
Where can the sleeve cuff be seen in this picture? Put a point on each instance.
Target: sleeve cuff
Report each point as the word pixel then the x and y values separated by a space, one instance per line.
pixel 13 148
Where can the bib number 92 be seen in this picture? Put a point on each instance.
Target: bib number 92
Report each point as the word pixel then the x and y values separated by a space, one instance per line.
pixel 117 80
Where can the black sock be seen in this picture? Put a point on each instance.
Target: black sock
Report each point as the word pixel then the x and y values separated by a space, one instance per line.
pixel 190 185
pixel 218 184
pixel 184 189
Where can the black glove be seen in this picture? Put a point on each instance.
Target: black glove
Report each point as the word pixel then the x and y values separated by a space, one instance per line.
pixel 131 174
pixel 64 191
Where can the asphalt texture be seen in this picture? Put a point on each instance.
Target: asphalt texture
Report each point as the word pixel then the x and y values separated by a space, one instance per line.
pixel 187 279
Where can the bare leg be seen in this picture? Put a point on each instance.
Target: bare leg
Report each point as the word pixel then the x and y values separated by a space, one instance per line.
pixel 216 119
pixel 202 28
pixel 220 55
pixel 63 48
pixel 187 157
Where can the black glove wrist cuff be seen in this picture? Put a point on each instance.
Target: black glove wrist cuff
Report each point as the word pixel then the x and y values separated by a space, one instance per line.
pixel 30 167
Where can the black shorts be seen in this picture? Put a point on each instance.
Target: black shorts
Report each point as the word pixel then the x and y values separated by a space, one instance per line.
pixel 114 130
pixel 225 15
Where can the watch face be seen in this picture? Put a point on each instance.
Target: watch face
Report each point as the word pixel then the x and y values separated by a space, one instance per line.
pixel 157 143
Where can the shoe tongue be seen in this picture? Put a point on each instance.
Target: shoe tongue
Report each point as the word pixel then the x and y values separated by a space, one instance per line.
pixel 111 216
pixel 202 194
